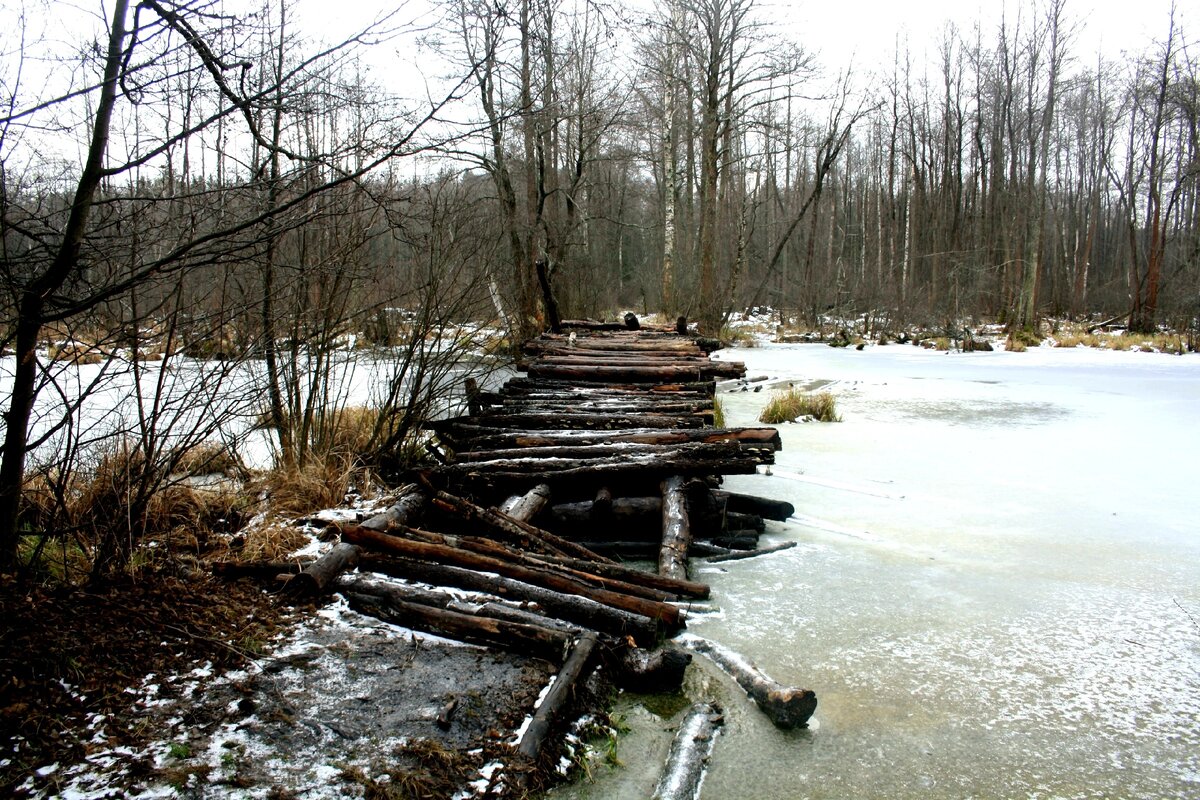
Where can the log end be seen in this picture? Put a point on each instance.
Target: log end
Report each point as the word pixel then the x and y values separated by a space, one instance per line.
pixel 652 671
pixel 788 708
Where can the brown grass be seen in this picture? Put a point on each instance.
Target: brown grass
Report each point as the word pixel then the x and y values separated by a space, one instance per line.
pixel 75 352
pixel 316 485
pixel 209 458
pixel 791 405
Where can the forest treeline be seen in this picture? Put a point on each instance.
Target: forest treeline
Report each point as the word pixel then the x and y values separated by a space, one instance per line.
pixel 196 178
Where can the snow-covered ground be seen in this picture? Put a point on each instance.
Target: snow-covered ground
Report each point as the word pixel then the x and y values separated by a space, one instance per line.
pixel 997 587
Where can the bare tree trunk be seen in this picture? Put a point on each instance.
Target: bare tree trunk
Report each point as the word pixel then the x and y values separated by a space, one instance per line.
pixel 32 305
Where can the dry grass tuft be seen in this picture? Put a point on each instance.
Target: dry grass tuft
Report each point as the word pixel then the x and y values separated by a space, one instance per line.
pixel 271 541
pixel 209 458
pixel 77 353
pixel 791 405
pixel 316 485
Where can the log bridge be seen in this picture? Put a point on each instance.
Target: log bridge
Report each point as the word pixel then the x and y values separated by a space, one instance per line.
pixel 603 451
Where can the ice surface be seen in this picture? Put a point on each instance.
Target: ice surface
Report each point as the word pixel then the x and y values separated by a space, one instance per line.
pixel 996 586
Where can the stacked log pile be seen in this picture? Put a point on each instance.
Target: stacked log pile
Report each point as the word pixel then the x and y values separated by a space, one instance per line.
pixel 604 450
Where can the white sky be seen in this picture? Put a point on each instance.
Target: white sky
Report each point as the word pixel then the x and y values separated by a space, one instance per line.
pixel 858 34
pixel 868 29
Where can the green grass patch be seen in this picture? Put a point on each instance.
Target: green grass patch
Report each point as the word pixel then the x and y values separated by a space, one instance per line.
pixel 718 414
pixel 791 405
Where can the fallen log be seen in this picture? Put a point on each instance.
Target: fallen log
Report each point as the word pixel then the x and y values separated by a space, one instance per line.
pixel 670 388
pixel 689 754
pixel 558 420
pixel 514 529
pixel 579 569
pixel 640 517
pixel 764 507
pixel 786 706
pixel 648 550
pixel 318 575
pixel 477 608
pixel 719 459
pixel 528 639
pixel 530 504
pixel 676 533
pixel 662 583
pixel 581 455
pixel 574 669
pixel 651 671
pixel 573 608
pixel 550 579
pixel 475 437
pixel 761 551
pixel 406 510
pixel 747 540
pixel 665 373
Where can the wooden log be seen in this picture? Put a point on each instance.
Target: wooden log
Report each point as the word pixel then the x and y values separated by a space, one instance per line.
pixel 593 573
pixel 629 407
pixel 602 503
pixel 517 530
pixel 600 358
pixel 550 579
pixel 668 388
pixel 786 706
pixel 478 608
pixel 747 541
pixel 650 671
pixel 558 471
pixel 648 550
pixel 551 709
pixel 735 521
pixel 764 507
pixel 556 421
pixel 513 636
pixel 406 510
pixel 572 608
pixel 633 374
pixel 477 437
pixel 587 453
pixel 676 532
pixel 531 504
pixel 689 754
pixel 761 551
pixel 633 518
pixel 668 585
pixel 569 548
pixel 317 576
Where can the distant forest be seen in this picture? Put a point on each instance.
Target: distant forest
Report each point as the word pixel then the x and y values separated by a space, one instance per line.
pixel 203 176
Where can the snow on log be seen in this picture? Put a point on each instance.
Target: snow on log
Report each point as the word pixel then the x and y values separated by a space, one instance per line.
pixel 550 579
pixel 661 583
pixel 689 754
pixel 582 611
pixel 319 574
pixel 517 637
pixel 530 504
pixel 650 671
pixel 762 551
pixel 786 706
pixel 676 533
pixel 403 512
pixel 574 669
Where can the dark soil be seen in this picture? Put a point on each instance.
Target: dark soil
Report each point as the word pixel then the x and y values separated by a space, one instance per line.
pixel 68 654
pixel 215 688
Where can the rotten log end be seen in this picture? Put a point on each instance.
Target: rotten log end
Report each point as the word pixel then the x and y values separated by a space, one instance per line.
pixel 788 708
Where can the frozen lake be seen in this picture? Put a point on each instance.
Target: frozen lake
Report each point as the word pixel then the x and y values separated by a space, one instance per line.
pixel 996 591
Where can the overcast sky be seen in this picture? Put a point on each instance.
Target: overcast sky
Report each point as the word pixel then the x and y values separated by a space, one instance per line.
pixel 861 34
